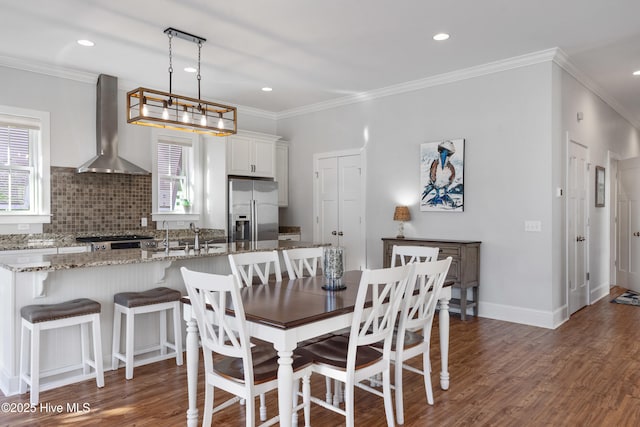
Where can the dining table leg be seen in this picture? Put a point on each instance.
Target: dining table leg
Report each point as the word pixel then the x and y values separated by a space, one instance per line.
pixel 285 386
pixel 444 342
pixel 192 372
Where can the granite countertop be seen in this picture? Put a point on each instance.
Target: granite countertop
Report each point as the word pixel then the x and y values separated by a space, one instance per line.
pixel 36 262
pixel 54 241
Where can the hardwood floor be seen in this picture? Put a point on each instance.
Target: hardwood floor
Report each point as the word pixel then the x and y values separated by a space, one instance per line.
pixel 586 372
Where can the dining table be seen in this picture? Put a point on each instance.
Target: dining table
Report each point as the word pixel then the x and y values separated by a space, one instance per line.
pixel 288 312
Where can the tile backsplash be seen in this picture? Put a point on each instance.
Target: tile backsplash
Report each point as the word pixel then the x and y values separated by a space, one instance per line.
pixel 98 202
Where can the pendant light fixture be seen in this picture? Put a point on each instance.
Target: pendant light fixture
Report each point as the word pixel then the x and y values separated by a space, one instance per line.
pixel 148 107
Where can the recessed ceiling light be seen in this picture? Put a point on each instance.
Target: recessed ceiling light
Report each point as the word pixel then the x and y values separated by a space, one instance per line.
pixel 636 73
pixel 267 89
pixel 441 36
pixel 190 69
pixel 88 43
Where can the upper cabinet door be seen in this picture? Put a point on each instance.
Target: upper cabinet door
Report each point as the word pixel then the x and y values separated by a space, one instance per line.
pixel 251 154
pixel 264 158
pixel 282 172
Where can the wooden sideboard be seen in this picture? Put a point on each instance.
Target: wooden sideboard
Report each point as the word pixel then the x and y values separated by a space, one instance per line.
pixel 464 270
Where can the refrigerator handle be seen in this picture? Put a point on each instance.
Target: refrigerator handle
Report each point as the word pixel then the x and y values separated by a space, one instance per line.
pixel 254 221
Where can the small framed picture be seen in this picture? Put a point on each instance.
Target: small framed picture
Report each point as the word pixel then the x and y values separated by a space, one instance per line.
pixel 599 187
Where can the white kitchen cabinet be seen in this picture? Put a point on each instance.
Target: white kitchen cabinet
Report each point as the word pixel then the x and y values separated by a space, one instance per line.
pixel 282 172
pixel 251 154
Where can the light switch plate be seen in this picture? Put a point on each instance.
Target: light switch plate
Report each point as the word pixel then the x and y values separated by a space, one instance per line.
pixel 143 222
pixel 533 226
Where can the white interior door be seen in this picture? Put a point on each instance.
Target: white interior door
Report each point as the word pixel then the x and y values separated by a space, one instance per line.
pixel 338 209
pixel 578 284
pixel 349 211
pixel 327 196
pixel 628 268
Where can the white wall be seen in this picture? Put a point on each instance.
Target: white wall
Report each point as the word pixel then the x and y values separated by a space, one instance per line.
pixel 506 119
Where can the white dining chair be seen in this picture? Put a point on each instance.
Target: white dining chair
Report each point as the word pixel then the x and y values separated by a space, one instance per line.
pixel 351 359
pixel 305 262
pixel 413 334
pixel 240 369
pixel 409 254
pixel 301 262
pixel 246 266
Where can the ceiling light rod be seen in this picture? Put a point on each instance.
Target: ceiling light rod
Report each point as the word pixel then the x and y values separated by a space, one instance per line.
pixel 183 35
pixel 148 107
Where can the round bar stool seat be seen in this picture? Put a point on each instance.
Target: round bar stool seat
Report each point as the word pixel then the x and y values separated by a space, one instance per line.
pixel 42 317
pixel 154 300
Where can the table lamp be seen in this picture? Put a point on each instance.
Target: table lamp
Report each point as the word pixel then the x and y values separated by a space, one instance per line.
pixel 401 214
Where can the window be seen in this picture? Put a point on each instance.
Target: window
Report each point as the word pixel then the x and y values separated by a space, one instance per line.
pixel 173 177
pixel 17 145
pixel 24 166
pixel 174 171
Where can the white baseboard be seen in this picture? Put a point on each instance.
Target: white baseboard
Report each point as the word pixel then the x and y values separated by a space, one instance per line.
pixel 601 291
pixel 525 316
pixel 8 385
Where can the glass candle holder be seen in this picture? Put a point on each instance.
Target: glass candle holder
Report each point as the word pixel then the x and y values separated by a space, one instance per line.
pixel 333 268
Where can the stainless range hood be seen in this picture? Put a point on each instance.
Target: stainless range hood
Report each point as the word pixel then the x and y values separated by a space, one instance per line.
pixel 107 159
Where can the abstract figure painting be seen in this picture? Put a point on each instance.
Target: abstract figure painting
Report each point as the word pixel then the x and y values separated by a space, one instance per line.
pixel 442 176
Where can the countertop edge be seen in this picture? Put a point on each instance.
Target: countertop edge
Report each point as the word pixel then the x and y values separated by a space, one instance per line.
pixel 46 263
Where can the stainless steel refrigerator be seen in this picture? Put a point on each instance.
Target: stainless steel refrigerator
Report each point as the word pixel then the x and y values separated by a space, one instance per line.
pixel 253 210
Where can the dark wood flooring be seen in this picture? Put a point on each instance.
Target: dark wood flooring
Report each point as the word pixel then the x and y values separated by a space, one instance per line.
pixel 585 373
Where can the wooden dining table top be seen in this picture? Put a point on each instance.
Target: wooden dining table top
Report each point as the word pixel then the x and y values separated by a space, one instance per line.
pixel 291 303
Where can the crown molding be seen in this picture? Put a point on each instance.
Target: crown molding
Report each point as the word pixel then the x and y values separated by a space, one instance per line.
pixel 562 60
pixel 556 55
pixel 440 79
pixel 48 69
pixel 88 77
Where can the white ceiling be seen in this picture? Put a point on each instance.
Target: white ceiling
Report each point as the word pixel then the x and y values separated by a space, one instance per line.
pixel 313 51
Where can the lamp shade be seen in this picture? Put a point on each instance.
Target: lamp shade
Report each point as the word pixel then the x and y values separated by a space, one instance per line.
pixel 401 214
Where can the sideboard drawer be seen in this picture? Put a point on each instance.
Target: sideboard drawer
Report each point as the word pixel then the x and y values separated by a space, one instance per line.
pixel 452 251
pixel 464 270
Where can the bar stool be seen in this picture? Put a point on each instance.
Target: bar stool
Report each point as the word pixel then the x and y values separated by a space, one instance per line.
pixel 37 318
pixel 154 300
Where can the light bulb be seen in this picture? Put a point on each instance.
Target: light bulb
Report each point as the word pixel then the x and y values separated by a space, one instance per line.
pixel 145 110
pixel 220 123
pixel 165 111
pixel 203 117
pixel 185 116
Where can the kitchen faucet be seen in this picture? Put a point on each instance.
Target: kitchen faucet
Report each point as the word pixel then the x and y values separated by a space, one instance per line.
pixel 196 242
pixel 165 225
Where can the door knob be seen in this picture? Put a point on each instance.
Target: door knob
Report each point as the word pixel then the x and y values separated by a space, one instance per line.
pixel 333 233
pixel 340 233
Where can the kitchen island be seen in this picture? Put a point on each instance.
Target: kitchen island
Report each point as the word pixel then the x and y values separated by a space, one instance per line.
pixel 50 279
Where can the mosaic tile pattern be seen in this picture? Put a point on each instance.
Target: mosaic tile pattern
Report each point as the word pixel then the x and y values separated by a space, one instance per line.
pixel 98 203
